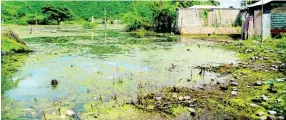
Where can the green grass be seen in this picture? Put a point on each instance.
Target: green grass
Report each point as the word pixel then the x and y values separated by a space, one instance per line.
pixel 11 46
pixel 246 94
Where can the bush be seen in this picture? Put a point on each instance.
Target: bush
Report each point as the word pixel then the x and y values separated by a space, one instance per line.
pixel 89 25
pixel 143 33
pixel 164 17
pixel 282 41
pixel 256 37
pixel 171 39
pixel 22 21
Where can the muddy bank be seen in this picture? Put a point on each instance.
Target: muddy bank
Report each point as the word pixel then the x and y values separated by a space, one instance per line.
pixel 255 89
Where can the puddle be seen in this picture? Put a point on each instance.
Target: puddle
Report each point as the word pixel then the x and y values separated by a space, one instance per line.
pixel 90 69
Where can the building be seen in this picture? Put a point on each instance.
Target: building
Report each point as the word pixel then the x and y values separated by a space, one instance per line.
pixel 207 19
pixel 271 21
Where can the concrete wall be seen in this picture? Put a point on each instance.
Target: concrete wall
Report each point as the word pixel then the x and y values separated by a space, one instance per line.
pixel 257 22
pixel 190 21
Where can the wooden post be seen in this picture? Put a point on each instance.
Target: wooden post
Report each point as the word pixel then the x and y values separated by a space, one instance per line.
pixel 44 114
pixel 91 19
pixel 31 30
pixel 36 22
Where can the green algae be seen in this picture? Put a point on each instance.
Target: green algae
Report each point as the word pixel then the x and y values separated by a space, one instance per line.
pixel 106 68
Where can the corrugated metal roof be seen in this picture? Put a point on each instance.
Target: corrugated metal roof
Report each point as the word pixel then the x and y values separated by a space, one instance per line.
pixel 261 2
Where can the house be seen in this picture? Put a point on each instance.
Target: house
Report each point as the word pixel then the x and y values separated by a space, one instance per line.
pixel 207 19
pixel 271 21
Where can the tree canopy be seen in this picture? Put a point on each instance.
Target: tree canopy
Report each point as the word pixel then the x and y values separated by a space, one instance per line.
pixel 57 13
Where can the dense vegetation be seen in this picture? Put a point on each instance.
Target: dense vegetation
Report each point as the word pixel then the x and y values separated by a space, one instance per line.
pixel 18 12
pixel 149 15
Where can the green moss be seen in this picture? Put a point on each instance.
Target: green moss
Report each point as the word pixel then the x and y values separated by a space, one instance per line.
pixel 10 64
pixel 178 109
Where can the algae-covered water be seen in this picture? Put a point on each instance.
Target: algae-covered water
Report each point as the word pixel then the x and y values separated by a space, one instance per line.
pixel 97 75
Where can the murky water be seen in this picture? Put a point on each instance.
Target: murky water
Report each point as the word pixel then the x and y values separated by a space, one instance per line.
pixel 91 67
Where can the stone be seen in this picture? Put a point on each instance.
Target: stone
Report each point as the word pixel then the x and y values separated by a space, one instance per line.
pixel 244 66
pixel 187 97
pixel 253 105
pixel 260 113
pixel 54 82
pixel 248 51
pixel 63 116
pixel 280 118
pixel 95 98
pixel 234 93
pixel 200 87
pixel 274 66
pixel 272 112
pixel 181 98
pixel 258 83
pixel 278 101
pixel 174 95
pixel 234 89
pixel 280 79
pixel 192 106
pixel 249 85
pixel 282 66
pixel 70 113
pixel 158 98
pixel 274 69
pixel 264 98
pixel 233 83
pixel 272 90
pixel 252 57
pixel 256 100
pixel 192 111
pixel 263 117
pixel 223 87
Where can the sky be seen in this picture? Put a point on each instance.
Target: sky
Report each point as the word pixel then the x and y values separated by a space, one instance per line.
pixel 227 3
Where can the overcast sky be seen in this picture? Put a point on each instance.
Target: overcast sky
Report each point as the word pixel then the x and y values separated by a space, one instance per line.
pixel 227 3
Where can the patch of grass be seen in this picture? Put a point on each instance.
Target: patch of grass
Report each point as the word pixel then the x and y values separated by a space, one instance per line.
pixel 10 64
pixel 11 43
pixel 103 50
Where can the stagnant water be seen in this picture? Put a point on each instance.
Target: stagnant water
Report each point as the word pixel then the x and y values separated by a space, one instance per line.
pixel 90 68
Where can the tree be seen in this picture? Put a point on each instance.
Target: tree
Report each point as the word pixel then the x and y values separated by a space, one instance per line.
pixel 164 16
pixel 57 13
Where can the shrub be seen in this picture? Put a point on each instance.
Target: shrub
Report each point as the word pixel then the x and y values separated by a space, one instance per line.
pixel 89 25
pixel 282 41
pixel 171 39
pixel 22 21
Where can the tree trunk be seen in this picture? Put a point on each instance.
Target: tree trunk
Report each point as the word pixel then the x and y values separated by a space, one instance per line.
pixel 58 21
